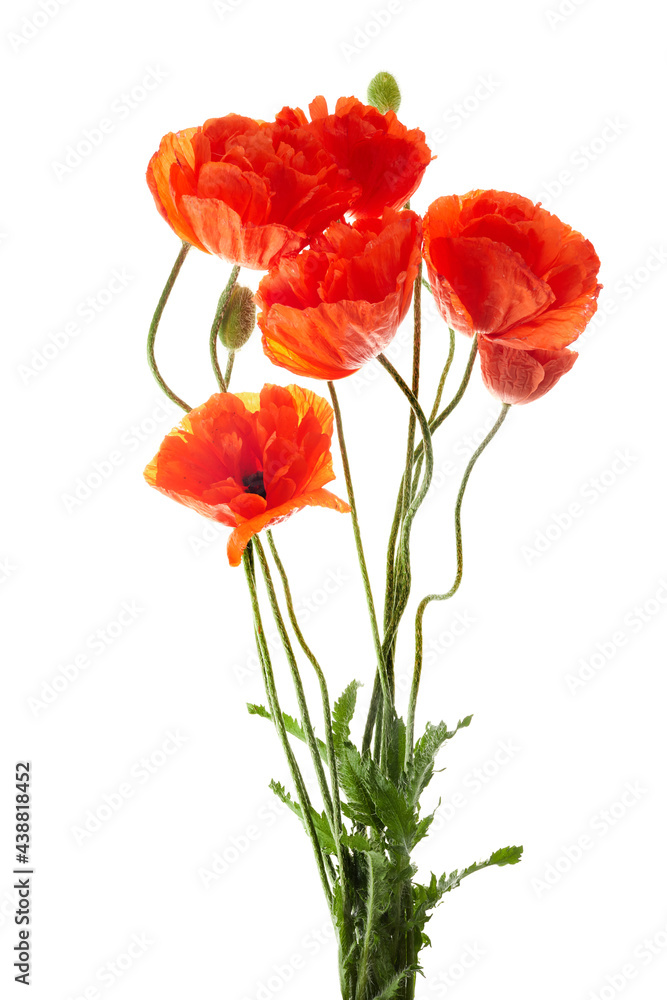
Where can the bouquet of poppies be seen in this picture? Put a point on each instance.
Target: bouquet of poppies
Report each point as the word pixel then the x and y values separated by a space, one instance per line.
pixel 321 203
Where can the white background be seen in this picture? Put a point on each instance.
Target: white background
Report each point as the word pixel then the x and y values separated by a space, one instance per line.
pixel 538 92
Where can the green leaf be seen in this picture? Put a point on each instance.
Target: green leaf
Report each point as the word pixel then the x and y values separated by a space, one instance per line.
pixel 291 725
pixel 375 800
pixel 422 767
pixel 342 715
pixel 378 898
pixel 320 821
pixel 426 897
pixel 423 826
pixel 357 842
pixel 504 856
pixel 348 947
pixel 351 773
pixel 396 749
pixel 394 985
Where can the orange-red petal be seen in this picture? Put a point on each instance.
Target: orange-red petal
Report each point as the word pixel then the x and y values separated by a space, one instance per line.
pixel 250 460
pixel 518 375
pixel 513 273
pixel 333 308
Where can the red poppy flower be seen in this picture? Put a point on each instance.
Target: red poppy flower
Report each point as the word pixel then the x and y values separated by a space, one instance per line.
pixel 510 271
pixel 386 158
pixel 329 310
pixel 249 460
pixel 247 191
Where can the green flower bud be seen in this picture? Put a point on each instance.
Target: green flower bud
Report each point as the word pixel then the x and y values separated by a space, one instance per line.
pixel 383 93
pixel 238 318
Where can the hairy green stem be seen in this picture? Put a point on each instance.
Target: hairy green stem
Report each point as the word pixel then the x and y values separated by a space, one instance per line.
pixel 379 653
pixel 404 541
pixel 324 690
pixel 405 489
pixel 451 406
pixel 443 377
pixel 306 723
pixel 274 706
pixel 399 503
pixel 419 620
pixel 223 382
pixel 231 356
pixel 155 322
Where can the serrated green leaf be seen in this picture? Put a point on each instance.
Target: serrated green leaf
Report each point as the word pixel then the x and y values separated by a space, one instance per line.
pixel 351 773
pixel 394 985
pixel 348 947
pixel 320 821
pixel 375 800
pixel 396 749
pixel 342 715
pixel 291 725
pixel 426 749
pixel 504 856
pixel 426 898
pixel 377 900
pixel 357 842
pixel 422 828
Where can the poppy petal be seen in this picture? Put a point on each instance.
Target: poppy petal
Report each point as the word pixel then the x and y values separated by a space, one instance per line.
pixel 239 538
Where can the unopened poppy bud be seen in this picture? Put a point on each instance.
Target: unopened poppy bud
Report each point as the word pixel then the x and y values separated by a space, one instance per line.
pixel 383 93
pixel 238 318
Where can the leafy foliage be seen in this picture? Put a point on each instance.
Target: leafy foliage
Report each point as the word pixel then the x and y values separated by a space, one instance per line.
pixel 421 769
pixel 379 910
pixel 320 821
pixel 342 715
pixel 291 725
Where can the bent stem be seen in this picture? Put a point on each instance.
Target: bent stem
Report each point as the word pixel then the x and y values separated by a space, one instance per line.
pixel 231 356
pixel 443 377
pixel 379 653
pixel 404 493
pixel 155 322
pixel 324 691
pixel 223 382
pixel 408 474
pixel 419 619
pixel 403 593
pixel 274 706
pixel 436 422
pixel 298 685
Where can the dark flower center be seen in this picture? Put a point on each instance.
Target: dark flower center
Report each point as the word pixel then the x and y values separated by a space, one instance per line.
pixel 254 483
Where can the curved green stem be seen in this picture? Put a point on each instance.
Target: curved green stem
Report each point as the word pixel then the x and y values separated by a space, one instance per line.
pixel 379 653
pixel 231 356
pixel 155 322
pixel 324 691
pixel 337 824
pixel 274 705
pixel 215 328
pixel 306 723
pixel 403 589
pixel 451 406
pixel 458 396
pixel 419 620
pixel 443 377
pixel 398 512
pixel 405 487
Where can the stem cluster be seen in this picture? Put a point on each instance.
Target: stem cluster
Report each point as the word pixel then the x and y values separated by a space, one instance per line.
pixel 363 839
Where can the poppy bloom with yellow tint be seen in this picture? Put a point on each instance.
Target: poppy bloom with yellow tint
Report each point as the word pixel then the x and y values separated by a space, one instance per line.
pixel 250 460
pixel 331 309
pixel 513 273
pixel 247 191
